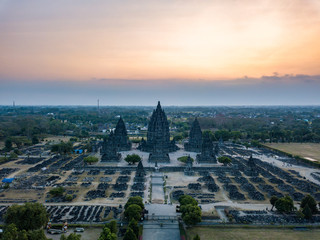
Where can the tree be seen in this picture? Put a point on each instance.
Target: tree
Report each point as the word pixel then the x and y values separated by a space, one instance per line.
pixel 35 140
pixel 186 199
pixel 30 216
pixel 112 226
pixel 134 200
pixel 284 204
pixel 196 237
pixel 129 235
pixel 135 228
pixel 57 191
pixel 191 214
pixel 133 212
pixel 225 160
pixel 310 202
pixel 39 235
pixel 90 159
pixel 11 232
pixel 273 200
pixel 8 144
pixel 307 212
pixel 184 159
pixel 132 158
pixel 106 234
pixel 13 155
pixel 62 148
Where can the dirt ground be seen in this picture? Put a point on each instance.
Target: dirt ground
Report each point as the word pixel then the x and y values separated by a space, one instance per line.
pixel 306 150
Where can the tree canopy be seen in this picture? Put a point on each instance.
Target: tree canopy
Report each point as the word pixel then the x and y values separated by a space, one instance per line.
pixel 134 200
pixel 310 202
pixel 133 212
pixel 57 191
pixel 30 216
pixel 91 159
pixel 191 212
pixel 224 160
pixel 129 235
pixel 273 200
pixel 186 199
pixel 132 158
pixel 284 204
pixel 62 148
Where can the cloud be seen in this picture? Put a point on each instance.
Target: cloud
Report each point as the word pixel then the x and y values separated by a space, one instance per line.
pixel 286 89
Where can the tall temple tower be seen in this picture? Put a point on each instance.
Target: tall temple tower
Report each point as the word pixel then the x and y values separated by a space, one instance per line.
pixel 158 137
pixel 195 138
pixel 207 153
pixel 109 150
pixel 121 137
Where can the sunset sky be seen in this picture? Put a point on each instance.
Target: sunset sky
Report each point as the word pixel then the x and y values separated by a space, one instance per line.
pixel 181 52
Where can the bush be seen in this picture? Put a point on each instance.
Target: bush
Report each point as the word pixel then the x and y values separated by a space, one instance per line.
pixel 91 160
pixel 69 197
pixel 57 191
pixel 133 158
pixel 225 160
pixel 184 159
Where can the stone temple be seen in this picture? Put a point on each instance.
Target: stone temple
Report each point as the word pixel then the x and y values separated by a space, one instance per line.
pixel 109 151
pixel 207 153
pixel 121 137
pixel 158 142
pixel 195 138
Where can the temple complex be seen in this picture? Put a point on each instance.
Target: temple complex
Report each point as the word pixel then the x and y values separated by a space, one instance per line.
pixel 158 142
pixel 207 153
pixel 121 137
pixel 195 138
pixel 109 151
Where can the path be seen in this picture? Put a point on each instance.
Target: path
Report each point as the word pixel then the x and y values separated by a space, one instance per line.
pixel 161 223
pixel 157 187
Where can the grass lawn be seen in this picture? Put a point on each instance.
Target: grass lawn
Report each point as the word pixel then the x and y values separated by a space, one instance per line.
pixel 308 151
pixel 211 233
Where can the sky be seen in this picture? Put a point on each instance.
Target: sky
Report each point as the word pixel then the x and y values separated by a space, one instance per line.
pixel 182 52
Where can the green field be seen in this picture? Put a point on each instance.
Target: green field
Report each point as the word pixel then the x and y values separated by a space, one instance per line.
pixel 309 151
pixel 212 233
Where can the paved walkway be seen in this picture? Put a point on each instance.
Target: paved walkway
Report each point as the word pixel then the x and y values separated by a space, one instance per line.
pixel 162 223
pixel 157 187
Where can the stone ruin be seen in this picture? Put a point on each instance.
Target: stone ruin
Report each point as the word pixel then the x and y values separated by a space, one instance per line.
pixel 207 154
pixel 109 149
pixel 195 138
pixel 188 171
pixel 252 168
pixel 140 173
pixel 158 142
pixel 121 137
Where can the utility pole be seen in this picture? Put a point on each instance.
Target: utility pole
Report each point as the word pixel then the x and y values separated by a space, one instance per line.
pixel 98 107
